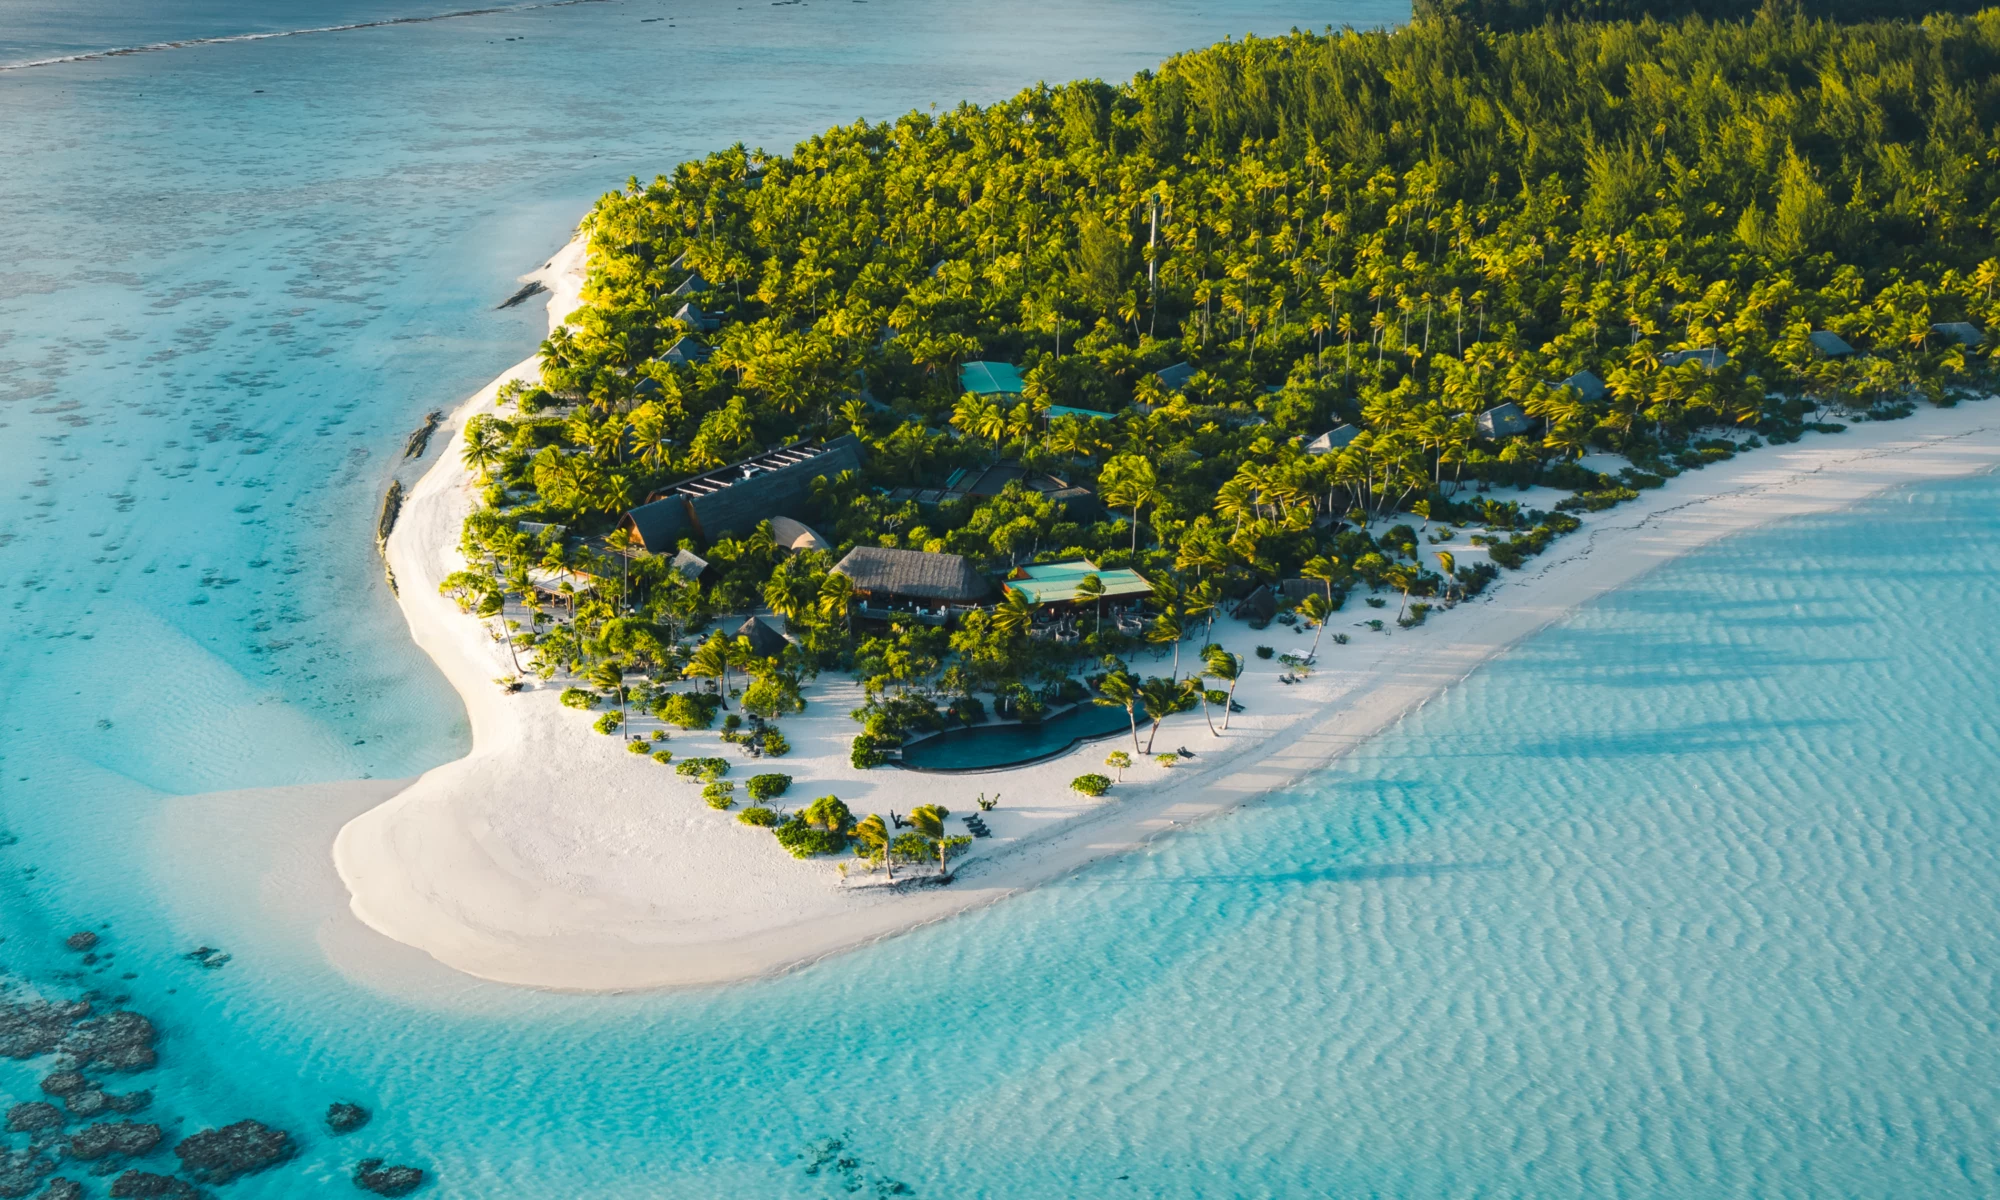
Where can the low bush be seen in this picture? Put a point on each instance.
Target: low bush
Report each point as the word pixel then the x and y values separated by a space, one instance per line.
pixel 865 752
pixel 707 769
pixel 1377 601
pixel 774 744
pixel 688 710
pixel 663 756
pixel 1596 501
pixel 758 815
pixel 1265 652
pixel 578 698
pixel 768 786
pixel 1091 785
pixel 609 722
pixel 639 746
pixel 1167 760
pixel 720 793
pixel 1415 616
pixel 805 841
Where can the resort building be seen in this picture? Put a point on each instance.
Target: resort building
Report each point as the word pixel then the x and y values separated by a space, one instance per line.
pixel 1959 331
pixel 734 499
pixel 1587 385
pixel 990 379
pixel 1710 357
pixel 972 483
pixel 1052 590
pixel 1504 421
pixel 691 314
pixel 685 352
pixel 912 584
pixel 1174 378
pixel 1333 440
pixel 1829 345
pixel 796 535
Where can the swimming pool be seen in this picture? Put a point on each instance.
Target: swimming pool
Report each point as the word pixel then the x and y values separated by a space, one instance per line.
pixel 994 747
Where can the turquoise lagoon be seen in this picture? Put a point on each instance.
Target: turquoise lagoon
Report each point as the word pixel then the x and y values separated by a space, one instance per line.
pixel 1694 895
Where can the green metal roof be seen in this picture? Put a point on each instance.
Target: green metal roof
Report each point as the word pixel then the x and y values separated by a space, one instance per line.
pixel 1060 410
pixel 1054 583
pixel 990 378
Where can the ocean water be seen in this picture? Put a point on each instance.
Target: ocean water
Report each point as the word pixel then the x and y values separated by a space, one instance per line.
pixel 1691 896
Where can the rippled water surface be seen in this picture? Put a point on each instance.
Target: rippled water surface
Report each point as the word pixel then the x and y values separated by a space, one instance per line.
pixel 1692 896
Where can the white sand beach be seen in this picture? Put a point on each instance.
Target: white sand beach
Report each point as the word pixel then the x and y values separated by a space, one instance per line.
pixel 550 857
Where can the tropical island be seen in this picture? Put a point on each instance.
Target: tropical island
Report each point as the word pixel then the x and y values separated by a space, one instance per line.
pixel 948 443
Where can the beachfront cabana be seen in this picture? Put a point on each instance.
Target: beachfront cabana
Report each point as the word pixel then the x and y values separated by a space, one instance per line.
pixel 893 583
pixel 1333 440
pixel 1587 385
pixel 1503 421
pixel 990 379
pixel 1829 345
pixel 734 499
pixel 1710 357
pixel 1959 331
pixel 690 286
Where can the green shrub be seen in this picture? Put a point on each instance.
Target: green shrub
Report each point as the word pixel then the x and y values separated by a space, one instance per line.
pixel 609 722
pixel 578 698
pixel 639 746
pixel 865 754
pixel 761 817
pixel 768 786
pixel 720 793
pixel 687 710
pixel 663 756
pixel 775 745
pixel 1415 616
pixel 707 769
pixel 1091 785
pixel 828 812
pixel 804 841
pixel 1265 652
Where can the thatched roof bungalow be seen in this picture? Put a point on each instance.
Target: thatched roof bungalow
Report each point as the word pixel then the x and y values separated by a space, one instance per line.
pixel 912 583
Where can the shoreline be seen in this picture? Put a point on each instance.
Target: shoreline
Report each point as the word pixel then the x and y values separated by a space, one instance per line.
pixel 549 857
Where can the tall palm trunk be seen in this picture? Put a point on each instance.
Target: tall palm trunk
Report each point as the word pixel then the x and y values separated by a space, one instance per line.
pixel 1229 705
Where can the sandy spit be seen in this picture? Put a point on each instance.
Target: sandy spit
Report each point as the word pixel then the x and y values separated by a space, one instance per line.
pixel 549 857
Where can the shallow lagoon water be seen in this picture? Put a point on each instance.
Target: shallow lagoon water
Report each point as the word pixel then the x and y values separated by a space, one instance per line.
pixel 1692 896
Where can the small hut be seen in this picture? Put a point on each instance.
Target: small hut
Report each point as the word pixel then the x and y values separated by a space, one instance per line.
pixel 1710 357
pixel 1259 606
pixel 990 379
pixel 1503 421
pixel 1587 385
pixel 765 642
pixel 1959 331
pixel 1174 378
pixel 1829 345
pixel 1333 440
pixel 796 535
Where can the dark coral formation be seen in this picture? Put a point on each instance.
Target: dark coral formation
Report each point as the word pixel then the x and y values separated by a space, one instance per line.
pixel 371 1176
pixel 21 1171
pixel 144 1185
pixel 33 1117
pixel 220 1155
pixel 345 1116
pixel 125 1139
pixel 32 1028
pixel 116 1041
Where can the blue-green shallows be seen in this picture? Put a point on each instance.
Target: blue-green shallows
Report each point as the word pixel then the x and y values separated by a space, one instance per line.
pixel 992 747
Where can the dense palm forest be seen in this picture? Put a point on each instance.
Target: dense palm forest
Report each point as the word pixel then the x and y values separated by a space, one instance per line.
pixel 1393 230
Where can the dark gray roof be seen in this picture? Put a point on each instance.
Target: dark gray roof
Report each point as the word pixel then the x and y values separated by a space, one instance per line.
pixel 1959 331
pixel 765 642
pixel 944 578
pixel 685 351
pixel 1174 378
pixel 1587 385
pixel 1711 357
pixel 1832 345
pixel 689 286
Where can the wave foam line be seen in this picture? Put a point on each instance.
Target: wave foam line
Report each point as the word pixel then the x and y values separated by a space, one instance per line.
pixel 154 47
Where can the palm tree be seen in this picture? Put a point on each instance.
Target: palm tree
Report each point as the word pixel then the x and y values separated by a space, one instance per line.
pixel 836 596
pixel 483 445
pixel 871 831
pixel 1118 690
pixel 714 658
pixel 1197 684
pixel 1091 588
pixel 494 605
pixel 1228 668
pixel 1129 481
pixel 1162 699
pixel 1316 609
pixel 1449 565
pixel 1167 627
pixel 1013 616
pixel 928 819
pixel 1404 577
pixel 1326 569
